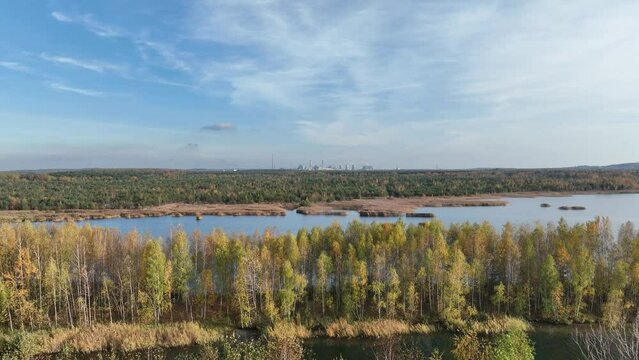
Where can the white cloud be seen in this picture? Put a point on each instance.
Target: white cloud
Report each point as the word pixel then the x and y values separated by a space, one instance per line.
pixel 369 69
pixel 61 17
pixel 88 21
pixel 15 66
pixel 92 65
pixel 170 56
pixel 76 90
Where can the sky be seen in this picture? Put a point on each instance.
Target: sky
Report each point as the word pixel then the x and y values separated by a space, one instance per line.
pixel 392 84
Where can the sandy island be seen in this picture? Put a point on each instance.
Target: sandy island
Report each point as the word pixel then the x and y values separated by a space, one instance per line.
pixel 382 207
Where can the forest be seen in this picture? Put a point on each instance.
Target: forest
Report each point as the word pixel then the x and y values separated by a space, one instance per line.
pixel 130 189
pixel 333 280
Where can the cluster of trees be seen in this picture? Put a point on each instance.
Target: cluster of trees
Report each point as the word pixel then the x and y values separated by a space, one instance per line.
pixel 102 189
pixel 68 275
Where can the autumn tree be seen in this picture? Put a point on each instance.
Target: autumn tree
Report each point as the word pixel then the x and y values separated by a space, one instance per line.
pixel 324 269
pixel 155 278
pixel 182 265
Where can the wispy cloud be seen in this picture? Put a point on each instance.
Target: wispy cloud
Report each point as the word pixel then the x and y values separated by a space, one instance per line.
pixel 170 56
pixel 15 66
pixel 92 65
pixel 88 21
pixel 75 90
pixel 219 127
pixel 391 65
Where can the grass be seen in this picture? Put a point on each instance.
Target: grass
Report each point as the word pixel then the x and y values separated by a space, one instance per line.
pixel 286 329
pixel 375 328
pixel 113 337
pixel 128 338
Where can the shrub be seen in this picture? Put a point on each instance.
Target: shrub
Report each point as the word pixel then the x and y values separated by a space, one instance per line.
pixel 496 325
pixel 114 337
pixel 286 329
pixel 376 328
pixel 512 345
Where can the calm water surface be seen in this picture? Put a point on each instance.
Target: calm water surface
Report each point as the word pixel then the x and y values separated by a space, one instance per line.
pixel 550 342
pixel 618 207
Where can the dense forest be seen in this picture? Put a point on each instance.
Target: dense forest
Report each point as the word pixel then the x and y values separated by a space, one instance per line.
pixel 115 189
pixel 62 276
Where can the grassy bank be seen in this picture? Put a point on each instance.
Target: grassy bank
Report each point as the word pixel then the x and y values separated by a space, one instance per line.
pixel 113 337
pixel 496 325
pixel 126 338
pixel 375 328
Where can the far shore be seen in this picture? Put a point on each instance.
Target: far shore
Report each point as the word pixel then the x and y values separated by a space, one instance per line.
pixel 383 207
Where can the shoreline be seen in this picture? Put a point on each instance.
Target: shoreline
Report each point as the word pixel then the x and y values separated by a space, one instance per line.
pixel 383 207
pixel 126 338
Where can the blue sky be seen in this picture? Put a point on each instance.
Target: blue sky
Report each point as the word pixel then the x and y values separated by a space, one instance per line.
pixel 410 84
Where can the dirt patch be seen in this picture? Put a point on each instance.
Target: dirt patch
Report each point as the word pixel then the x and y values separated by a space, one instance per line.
pixel 198 210
pixel 392 207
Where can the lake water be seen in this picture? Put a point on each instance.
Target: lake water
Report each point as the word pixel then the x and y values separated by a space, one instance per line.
pixel 550 343
pixel 618 207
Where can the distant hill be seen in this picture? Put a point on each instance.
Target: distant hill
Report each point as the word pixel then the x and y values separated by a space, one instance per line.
pixel 624 166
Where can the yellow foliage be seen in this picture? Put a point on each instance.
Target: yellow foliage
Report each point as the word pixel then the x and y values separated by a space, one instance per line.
pixel 497 325
pixel 121 337
pixel 375 328
pixel 287 329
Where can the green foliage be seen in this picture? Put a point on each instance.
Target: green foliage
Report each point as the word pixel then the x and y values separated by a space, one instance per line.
pixel 380 278
pixel 512 345
pixel 155 279
pixel 114 189
pixel 551 290
pixel 17 346
pixel 499 296
pixel 470 346
pixel 508 345
pixel 181 263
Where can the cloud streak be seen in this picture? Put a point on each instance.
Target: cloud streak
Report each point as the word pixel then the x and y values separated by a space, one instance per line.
pixel 220 127
pixel 92 65
pixel 76 90
pixel 15 66
pixel 170 56
pixel 88 21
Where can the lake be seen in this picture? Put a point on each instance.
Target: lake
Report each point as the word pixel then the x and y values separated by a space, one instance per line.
pixel 618 207
pixel 551 343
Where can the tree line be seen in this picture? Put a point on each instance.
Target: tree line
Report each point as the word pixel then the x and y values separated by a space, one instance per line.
pixel 113 189
pixel 60 276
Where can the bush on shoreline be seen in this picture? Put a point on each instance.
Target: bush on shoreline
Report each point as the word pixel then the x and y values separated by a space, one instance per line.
pixel 375 328
pixel 286 329
pixel 496 325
